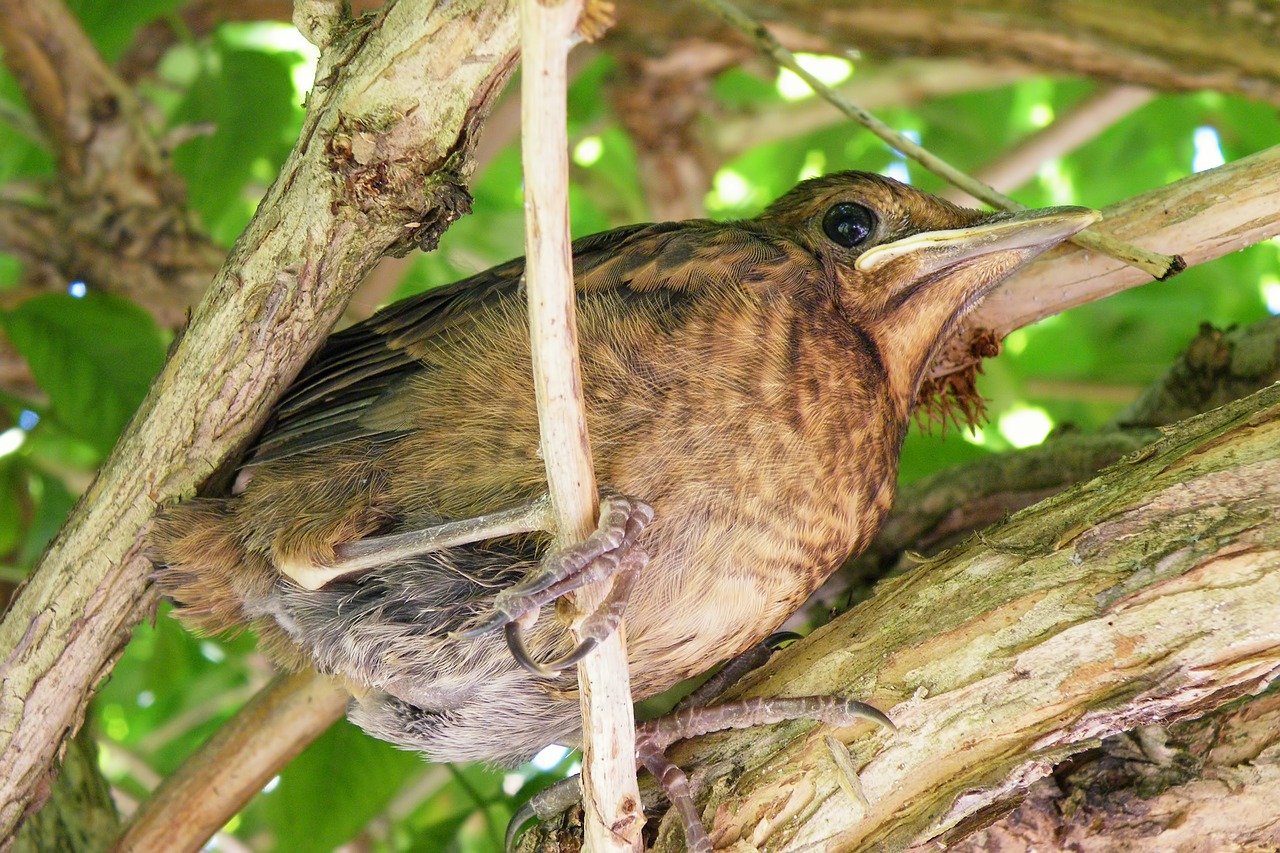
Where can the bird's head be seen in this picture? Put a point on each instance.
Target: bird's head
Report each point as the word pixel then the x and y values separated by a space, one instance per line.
pixel 906 265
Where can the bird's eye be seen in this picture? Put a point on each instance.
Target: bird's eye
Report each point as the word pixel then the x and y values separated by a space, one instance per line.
pixel 848 224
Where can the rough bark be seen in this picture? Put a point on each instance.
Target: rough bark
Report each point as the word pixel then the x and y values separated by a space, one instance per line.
pixel 377 169
pixel 1142 597
pixel 1200 786
pixel 80 815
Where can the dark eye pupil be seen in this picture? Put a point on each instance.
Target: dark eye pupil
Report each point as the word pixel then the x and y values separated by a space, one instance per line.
pixel 848 224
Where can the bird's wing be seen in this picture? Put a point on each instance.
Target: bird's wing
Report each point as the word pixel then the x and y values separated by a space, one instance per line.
pixel 360 365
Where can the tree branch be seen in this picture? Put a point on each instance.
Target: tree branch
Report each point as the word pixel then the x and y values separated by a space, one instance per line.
pixel 1140 42
pixel 232 766
pixel 335 209
pixel 1145 596
pixel 1204 784
pixel 1201 217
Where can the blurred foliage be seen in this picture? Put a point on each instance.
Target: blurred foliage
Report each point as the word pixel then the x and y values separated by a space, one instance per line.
pixel 232 103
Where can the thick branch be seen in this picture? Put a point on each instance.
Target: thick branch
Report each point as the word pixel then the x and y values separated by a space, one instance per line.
pixel 1206 784
pixel 1142 597
pixel 233 765
pixel 1201 217
pixel 377 169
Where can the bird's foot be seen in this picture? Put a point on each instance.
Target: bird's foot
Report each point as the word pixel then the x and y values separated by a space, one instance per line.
pixel 363 555
pixel 608 553
pixel 694 717
pixel 653 738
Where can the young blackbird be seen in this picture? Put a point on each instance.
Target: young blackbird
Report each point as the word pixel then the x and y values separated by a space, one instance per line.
pixel 750 381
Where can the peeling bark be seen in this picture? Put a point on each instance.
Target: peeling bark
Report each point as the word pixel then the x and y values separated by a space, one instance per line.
pixel 1140 598
pixel 1205 785
pixel 1145 596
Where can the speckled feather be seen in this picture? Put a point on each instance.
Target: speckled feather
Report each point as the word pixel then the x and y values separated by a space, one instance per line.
pixel 742 378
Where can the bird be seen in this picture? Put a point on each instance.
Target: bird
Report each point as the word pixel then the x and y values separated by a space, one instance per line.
pixel 748 388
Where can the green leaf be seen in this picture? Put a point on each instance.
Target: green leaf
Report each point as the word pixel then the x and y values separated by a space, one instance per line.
pixel 334 788
pixel 12 487
pixel 21 156
pixel 247 97
pixel 95 358
pixel 52 504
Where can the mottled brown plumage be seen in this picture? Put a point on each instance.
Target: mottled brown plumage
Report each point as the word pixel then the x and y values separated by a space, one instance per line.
pixel 752 381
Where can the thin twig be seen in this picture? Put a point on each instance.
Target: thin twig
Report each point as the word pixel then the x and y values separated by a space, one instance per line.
pixel 1079 125
pixel 610 792
pixel 1157 265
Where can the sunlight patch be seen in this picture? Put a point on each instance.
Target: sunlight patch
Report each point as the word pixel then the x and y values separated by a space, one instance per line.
pixel 512 783
pixel 730 189
pixel 1025 426
pixel 1208 149
pixel 1057 181
pixel 1270 290
pixel 1041 115
pixel 815 164
pixel 11 439
pixel 832 70
pixel 549 757
pixel 588 151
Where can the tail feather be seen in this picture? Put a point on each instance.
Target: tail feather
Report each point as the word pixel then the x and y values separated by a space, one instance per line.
pixel 202 567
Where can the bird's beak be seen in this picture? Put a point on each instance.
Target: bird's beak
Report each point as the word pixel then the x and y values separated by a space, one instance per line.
pixel 1029 231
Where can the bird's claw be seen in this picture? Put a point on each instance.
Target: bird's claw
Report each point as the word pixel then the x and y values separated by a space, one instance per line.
pixel 653 738
pixel 608 553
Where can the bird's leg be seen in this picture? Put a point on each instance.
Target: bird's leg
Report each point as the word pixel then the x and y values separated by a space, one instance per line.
pixel 734 669
pixel 692 717
pixel 653 738
pixel 365 554
pixel 609 552
pixel 566 793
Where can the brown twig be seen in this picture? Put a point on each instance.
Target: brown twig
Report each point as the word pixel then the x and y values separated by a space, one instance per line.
pixel 233 765
pixel 610 792
pixel 1156 265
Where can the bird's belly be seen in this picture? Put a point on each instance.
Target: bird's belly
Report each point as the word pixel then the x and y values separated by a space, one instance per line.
pixel 711 599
